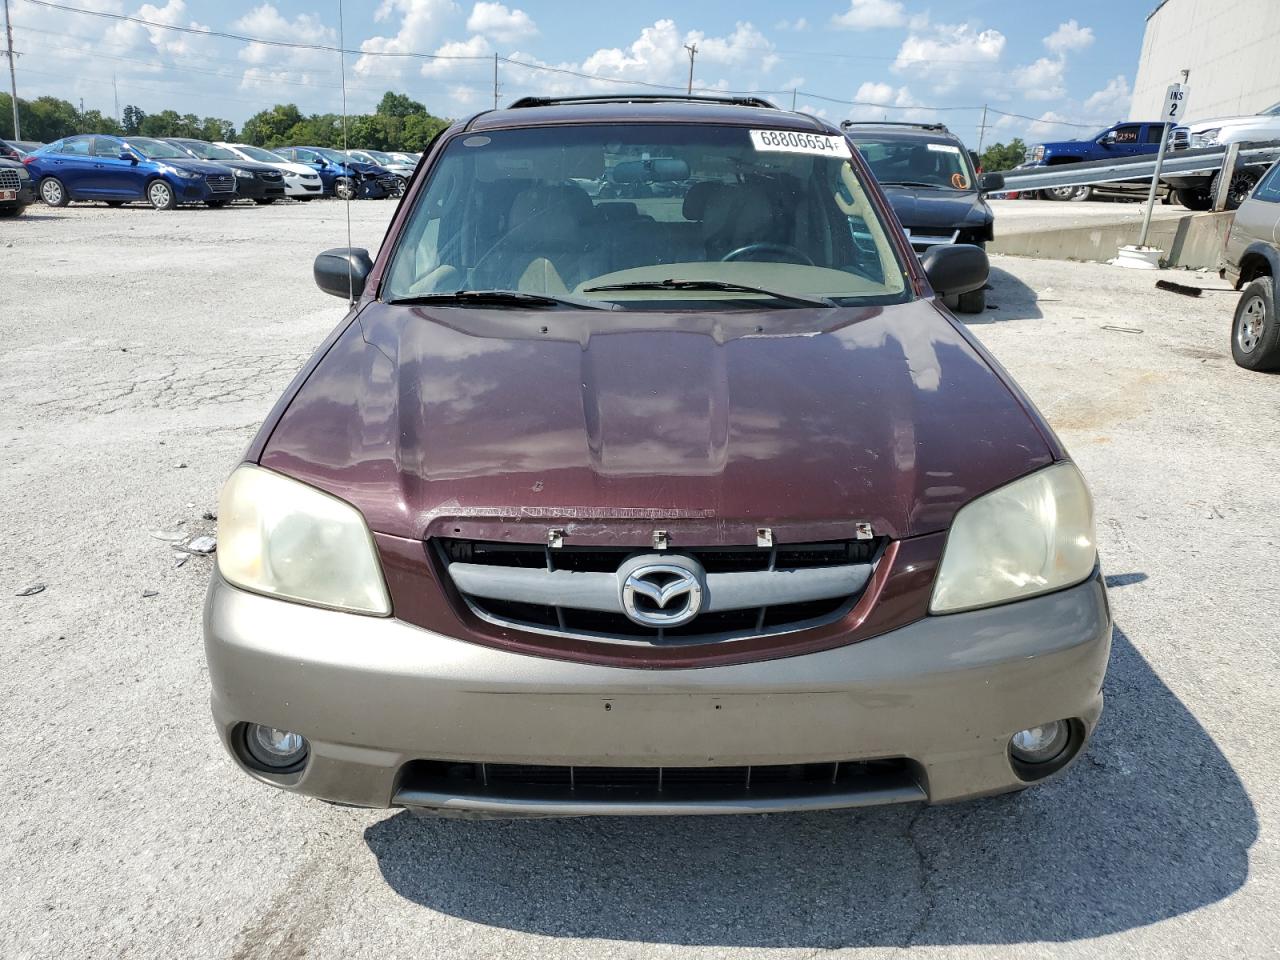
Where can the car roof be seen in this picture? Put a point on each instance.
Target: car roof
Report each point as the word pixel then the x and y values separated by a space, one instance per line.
pixel 913 134
pixel 532 113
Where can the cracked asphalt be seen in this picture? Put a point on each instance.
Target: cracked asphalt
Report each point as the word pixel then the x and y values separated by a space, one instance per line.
pixel 140 351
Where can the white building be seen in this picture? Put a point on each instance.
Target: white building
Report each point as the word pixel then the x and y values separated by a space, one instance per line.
pixel 1231 47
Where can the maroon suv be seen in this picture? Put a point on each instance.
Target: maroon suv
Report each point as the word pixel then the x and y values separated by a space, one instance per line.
pixel 648 474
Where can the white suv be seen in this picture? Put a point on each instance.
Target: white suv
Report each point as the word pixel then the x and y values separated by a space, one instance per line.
pixel 1223 130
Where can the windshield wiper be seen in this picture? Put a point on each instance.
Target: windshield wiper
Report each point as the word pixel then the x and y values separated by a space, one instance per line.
pixel 681 285
pixel 501 298
pixel 911 183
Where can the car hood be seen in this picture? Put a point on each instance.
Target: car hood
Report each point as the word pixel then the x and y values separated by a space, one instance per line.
pixel 253 166
pixel 454 421
pixel 1249 120
pixel 206 167
pixel 917 207
pixel 300 169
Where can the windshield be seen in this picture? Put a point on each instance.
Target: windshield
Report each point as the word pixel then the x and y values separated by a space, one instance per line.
pixel 378 156
pixel 157 149
pixel 208 151
pixel 257 153
pixel 918 163
pixel 334 155
pixel 568 210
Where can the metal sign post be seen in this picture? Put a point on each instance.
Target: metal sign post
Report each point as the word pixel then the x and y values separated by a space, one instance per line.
pixel 1175 105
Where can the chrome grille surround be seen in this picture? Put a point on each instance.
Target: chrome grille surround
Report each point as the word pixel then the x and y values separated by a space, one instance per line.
pixel 578 592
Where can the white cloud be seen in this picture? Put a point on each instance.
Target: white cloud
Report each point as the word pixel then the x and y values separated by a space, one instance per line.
pixel 274 65
pixel 871 15
pixel 421 24
pixel 1069 36
pixel 745 46
pixel 945 56
pixel 1112 102
pixel 1043 80
pixel 881 101
pixel 792 25
pixel 659 55
pixel 476 46
pixel 497 21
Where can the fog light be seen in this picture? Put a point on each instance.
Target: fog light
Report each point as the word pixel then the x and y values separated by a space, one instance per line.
pixel 1040 744
pixel 274 748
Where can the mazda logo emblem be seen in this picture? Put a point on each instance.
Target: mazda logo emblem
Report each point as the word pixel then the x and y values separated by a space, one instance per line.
pixel 661 592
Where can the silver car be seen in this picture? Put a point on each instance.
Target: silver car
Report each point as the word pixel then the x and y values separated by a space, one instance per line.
pixel 1252 264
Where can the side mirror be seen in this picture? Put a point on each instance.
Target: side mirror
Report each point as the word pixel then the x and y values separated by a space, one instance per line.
pixel 1108 140
pixel 991 182
pixel 954 269
pixel 343 271
pixel 128 155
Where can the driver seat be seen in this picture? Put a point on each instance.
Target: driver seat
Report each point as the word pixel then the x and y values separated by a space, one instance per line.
pixel 739 215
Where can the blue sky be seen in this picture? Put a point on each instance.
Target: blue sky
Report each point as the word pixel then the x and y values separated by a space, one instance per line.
pixel 1050 62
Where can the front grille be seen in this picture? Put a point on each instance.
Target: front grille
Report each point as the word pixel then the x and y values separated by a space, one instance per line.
pixel 389 181
pixel 9 179
pixel 579 618
pixel 924 237
pixel 1181 138
pixel 651 784
pixel 220 182
pixel 271 176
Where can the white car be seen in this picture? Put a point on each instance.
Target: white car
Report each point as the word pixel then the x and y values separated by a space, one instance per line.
pixel 1221 131
pixel 388 161
pixel 301 182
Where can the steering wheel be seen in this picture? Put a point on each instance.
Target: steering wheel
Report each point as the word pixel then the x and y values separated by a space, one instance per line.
pixel 782 248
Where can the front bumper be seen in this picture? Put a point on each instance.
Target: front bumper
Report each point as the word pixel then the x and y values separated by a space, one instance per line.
pixel 302 188
pixel 374 695
pixel 25 195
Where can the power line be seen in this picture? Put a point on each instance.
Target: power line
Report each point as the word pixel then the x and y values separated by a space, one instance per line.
pixel 596 78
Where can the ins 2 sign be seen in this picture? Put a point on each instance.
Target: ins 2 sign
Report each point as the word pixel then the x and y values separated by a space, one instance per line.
pixel 1175 102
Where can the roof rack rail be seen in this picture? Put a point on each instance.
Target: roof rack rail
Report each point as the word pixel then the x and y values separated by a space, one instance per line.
pixel 939 127
pixel 746 101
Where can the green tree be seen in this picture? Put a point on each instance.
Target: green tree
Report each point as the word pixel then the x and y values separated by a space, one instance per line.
pixel 166 123
pixel 212 128
pixel 92 121
pixel 1002 156
pixel 418 132
pixel 270 128
pixel 399 105
pixel 132 117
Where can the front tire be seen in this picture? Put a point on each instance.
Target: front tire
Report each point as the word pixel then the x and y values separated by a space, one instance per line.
pixel 1255 331
pixel 344 188
pixel 53 193
pixel 1242 184
pixel 161 196
pixel 1195 199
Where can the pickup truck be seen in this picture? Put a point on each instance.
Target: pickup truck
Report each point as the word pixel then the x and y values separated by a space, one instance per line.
pixel 1198 190
pixel 1121 140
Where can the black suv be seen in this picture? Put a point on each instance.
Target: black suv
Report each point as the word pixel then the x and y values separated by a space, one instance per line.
pixel 930 179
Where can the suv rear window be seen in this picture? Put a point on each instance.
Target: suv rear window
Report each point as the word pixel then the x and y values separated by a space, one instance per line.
pixel 563 209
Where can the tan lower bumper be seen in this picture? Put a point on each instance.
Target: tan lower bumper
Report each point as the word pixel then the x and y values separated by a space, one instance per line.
pixel 373 694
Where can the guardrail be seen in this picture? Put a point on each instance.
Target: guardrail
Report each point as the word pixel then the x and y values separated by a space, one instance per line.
pixel 1178 163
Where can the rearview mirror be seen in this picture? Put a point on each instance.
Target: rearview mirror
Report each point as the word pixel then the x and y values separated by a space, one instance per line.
pixel 342 271
pixel 992 182
pixel 953 269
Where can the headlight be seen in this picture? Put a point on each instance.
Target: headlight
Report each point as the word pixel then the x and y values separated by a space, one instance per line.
pixel 1032 536
pixel 243 174
pixel 179 172
pixel 1037 153
pixel 285 539
pixel 1208 138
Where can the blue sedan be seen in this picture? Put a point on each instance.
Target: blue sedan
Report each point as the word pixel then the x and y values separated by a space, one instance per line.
pixel 117 170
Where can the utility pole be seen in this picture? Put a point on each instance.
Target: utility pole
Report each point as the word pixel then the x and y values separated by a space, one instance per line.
pixel 115 95
pixel 982 130
pixel 495 81
pixel 13 76
pixel 794 91
pixel 693 52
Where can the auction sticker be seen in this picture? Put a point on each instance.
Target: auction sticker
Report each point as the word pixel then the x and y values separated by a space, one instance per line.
pixel 943 147
pixel 793 141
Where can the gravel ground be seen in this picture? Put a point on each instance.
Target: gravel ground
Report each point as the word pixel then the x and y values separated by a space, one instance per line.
pixel 141 350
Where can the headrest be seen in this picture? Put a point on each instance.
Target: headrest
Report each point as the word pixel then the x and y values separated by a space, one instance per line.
pixel 736 213
pixel 551 200
pixel 615 210
pixel 699 195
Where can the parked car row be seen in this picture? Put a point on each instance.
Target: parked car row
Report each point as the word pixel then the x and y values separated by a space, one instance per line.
pixel 180 170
